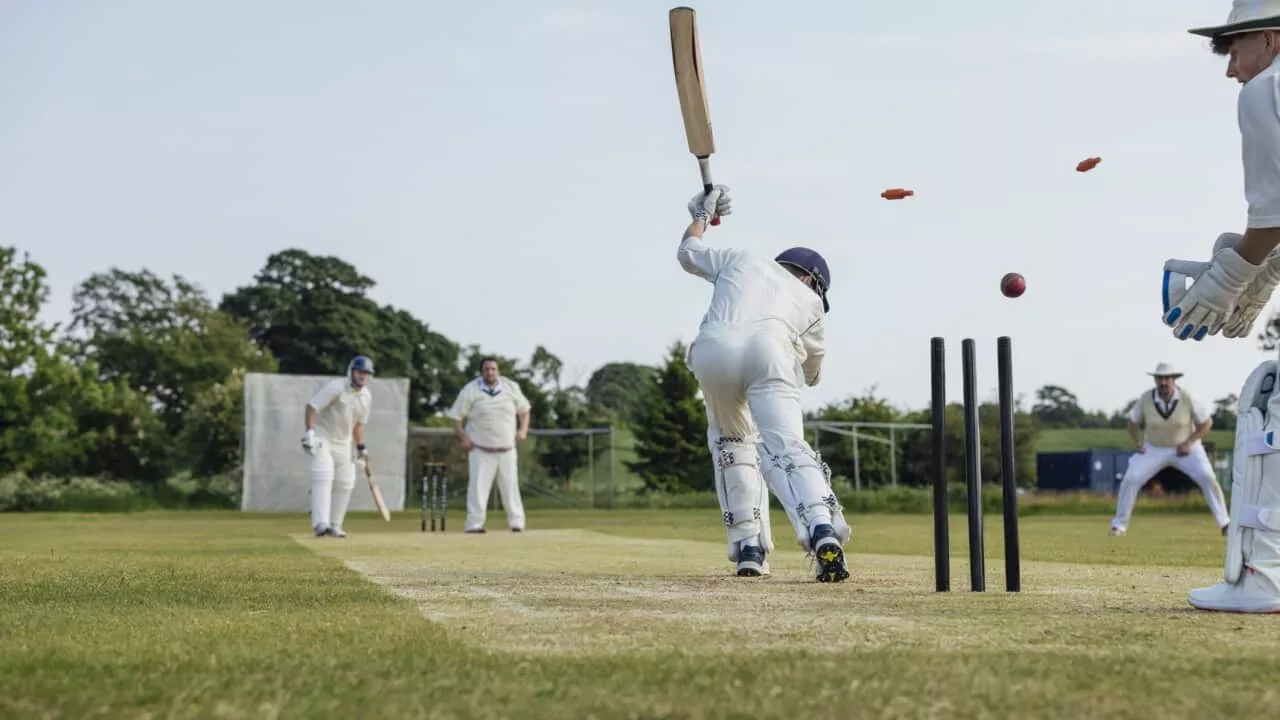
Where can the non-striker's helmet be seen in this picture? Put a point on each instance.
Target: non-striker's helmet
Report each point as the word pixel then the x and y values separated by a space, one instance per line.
pixel 359 362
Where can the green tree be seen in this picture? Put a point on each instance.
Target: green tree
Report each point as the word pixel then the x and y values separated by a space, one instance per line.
pixel 313 315
pixel 57 416
pixel 621 390
pixel 671 447
pixel 1224 412
pixel 916 468
pixel 873 461
pixel 164 339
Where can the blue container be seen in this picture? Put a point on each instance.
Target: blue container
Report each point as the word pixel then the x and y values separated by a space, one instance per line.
pixel 1097 470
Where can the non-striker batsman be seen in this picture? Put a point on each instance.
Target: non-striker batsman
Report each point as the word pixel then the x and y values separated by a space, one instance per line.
pixel 760 342
pixel 336 416
pixel 1229 292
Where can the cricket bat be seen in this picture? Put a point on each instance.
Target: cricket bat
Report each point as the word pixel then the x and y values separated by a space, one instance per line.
pixel 686 57
pixel 377 494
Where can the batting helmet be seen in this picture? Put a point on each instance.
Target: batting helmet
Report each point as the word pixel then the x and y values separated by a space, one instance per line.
pixel 809 261
pixel 359 362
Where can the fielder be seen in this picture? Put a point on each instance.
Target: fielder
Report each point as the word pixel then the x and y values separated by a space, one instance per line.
pixel 484 419
pixel 1174 424
pixel 761 340
pixel 1229 292
pixel 335 416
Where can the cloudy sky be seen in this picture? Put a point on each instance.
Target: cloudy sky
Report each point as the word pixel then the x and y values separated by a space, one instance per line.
pixel 515 173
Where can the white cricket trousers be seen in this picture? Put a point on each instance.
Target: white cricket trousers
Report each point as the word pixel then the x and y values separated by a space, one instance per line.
pixel 751 380
pixel 1145 465
pixel 484 466
pixel 333 477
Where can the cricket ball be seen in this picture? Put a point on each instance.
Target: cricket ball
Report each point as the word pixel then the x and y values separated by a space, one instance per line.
pixel 1013 285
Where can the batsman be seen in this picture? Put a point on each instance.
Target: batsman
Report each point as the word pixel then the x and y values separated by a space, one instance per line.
pixel 1229 292
pixel 760 342
pixel 335 416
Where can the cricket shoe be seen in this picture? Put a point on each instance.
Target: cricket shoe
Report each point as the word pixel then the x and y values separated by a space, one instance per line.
pixel 336 532
pixel 829 553
pixel 321 530
pixel 1116 532
pixel 751 562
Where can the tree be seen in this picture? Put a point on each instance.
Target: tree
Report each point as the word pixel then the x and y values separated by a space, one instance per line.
pixel 563 456
pixel 916 468
pixel 621 389
pixel 313 315
pixel 57 416
pixel 873 464
pixel 1224 412
pixel 671 447
pixel 164 339
pixel 1058 407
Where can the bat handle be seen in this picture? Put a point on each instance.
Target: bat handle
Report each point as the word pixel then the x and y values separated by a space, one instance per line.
pixel 704 166
pixel 715 219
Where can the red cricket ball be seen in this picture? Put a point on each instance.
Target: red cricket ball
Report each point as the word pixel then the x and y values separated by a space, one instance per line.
pixel 1013 285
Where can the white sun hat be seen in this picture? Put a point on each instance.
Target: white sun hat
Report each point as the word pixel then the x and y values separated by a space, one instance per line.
pixel 1165 370
pixel 1246 16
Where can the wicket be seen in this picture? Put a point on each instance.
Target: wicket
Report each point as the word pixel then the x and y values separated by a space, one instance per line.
pixel 973 466
pixel 434 490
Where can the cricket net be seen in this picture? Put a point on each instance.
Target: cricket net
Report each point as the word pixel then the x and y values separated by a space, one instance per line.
pixel 275 465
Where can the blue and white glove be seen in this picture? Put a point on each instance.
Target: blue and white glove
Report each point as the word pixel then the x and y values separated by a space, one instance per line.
pixel 1255 297
pixel 309 442
pixel 706 205
pixel 1205 308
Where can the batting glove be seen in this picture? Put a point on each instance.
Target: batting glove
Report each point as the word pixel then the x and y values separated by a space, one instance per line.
pixel 309 441
pixel 706 205
pixel 1205 308
pixel 362 454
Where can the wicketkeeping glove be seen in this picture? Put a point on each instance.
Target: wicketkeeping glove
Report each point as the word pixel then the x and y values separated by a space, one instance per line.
pixel 1204 309
pixel 1254 298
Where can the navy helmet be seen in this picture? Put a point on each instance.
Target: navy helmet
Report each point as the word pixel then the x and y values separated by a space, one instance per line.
pixel 809 261
pixel 359 362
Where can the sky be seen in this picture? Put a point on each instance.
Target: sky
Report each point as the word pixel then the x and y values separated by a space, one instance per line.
pixel 516 173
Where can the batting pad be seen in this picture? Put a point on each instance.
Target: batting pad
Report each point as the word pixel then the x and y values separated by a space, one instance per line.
pixel 275 465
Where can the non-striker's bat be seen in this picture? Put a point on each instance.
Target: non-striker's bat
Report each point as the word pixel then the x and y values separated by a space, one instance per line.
pixel 377 494
pixel 686 57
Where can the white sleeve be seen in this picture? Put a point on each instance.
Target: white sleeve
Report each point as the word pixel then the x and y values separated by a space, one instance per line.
pixel 1199 413
pixel 366 408
pixel 326 394
pixel 522 402
pixel 815 350
pixel 462 405
pixel 1258 112
pixel 697 258
pixel 1135 414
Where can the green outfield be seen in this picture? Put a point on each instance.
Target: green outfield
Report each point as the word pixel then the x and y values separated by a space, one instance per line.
pixel 1078 439
pixel 598 614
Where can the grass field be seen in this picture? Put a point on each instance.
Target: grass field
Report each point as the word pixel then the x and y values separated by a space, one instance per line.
pixel 1058 440
pixel 593 614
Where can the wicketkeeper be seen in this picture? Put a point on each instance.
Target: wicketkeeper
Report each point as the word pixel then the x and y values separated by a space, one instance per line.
pixel 1172 424
pixel 1229 292
pixel 335 417
pixel 760 342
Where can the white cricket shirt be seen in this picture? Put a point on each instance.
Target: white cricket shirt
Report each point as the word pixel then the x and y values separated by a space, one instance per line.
pixel 339 406
pixel 490 412
pixel 1258 111
pixel 1198 412
pixel 751 289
